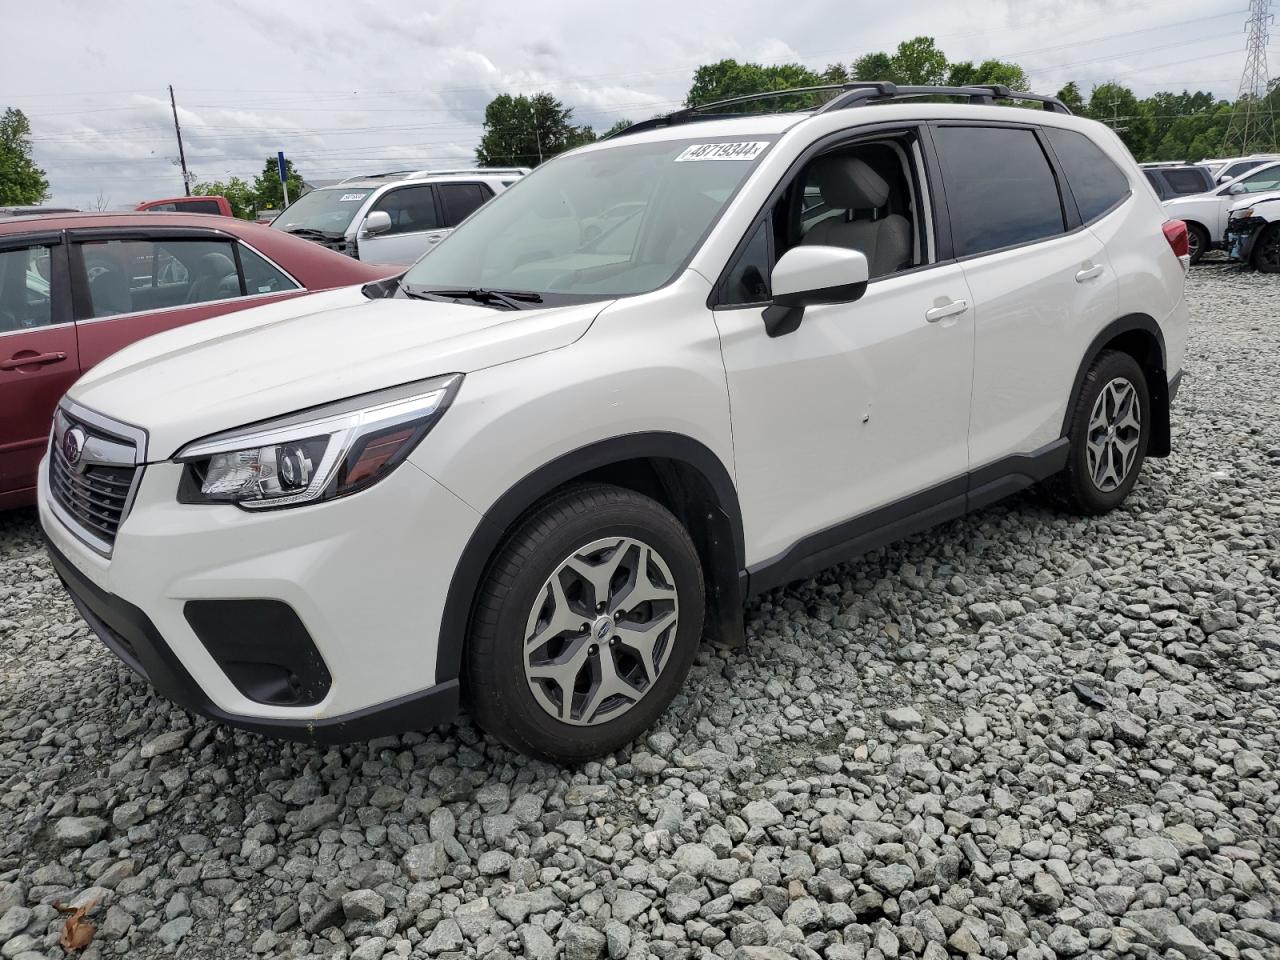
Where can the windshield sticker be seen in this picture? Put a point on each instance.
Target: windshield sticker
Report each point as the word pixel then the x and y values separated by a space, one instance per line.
pixel 351 196
pixel 747 150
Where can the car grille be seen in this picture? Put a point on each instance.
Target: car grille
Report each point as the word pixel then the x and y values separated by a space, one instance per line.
pixel 95 492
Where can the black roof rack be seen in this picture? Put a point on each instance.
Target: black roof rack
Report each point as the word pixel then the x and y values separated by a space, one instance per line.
pixel 855 94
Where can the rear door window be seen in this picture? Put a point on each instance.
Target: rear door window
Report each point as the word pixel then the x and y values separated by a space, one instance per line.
pixel 1263 180
pixel 260 276
pixel 1001 191
pixel 412 210
pixel 459 200
pixel 1095 181
pixel 131 276
pixel 1188 181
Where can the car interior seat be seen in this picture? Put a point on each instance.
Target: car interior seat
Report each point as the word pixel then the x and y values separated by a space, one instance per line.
pixel 849 184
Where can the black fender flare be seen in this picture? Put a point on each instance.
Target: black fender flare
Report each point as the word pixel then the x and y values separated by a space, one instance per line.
pixel 1159 385
pixel 470 569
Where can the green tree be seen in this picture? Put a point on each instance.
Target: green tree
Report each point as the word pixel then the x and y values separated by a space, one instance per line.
pixel 873 66
pixel 267 191
pixel 729 78
pixel 21 181
pixel 239 194
pixel 1072 97
pixel 1116 106
pixel 616 128
pixel 524 131
pixel 988 71
pixel 918 61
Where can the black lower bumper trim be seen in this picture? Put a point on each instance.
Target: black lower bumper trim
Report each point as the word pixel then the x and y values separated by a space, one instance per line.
pixel 131 636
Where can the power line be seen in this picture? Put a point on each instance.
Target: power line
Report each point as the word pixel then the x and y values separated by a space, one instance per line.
pixel 1251 126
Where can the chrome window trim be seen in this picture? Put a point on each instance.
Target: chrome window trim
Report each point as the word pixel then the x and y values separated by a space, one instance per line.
pixel 47 326
pixel 298 284
pixel 192 306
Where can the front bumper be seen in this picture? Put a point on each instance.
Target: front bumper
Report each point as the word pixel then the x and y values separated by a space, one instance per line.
pixel 364 579
pixel 1240 237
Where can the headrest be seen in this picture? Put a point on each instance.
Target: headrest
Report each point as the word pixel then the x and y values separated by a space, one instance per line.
pixel 849 183
pixel 215 264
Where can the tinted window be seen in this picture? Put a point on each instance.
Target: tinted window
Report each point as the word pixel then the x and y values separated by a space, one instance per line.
pixel 25 300
pixel 748 278
pixel 1237 169
pixel 128 276
pixel 459 199
pixel 162 208
pixel 1095 181
pixel 1000 188
pixel 1157 182
pixel 411 209
pixel 199 206
pixel 1188 181
pixel 260 276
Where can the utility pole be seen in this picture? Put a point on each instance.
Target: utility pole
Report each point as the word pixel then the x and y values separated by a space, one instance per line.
pixel 537 137
pixel 182 157
pixel 1252 123
pixel 1114 123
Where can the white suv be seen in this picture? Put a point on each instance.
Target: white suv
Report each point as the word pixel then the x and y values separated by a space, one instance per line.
pixel 673 369
pixel 395 217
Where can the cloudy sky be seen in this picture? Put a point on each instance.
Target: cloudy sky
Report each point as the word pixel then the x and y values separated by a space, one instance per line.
pixel 347 86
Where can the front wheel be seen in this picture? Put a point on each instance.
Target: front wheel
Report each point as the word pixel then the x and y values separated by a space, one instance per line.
pixel 1266 252
pixel 1108 435
pixel 586 624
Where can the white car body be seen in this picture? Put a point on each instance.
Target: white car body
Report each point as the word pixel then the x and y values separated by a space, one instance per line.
pixel 348 230
pixel 944 387
pixel 1209 211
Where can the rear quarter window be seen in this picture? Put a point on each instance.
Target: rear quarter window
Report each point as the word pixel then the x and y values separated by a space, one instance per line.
pixel 1095 181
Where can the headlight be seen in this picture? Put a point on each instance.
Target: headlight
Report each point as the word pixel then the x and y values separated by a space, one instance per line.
pixel 317 454
pixel 1244 214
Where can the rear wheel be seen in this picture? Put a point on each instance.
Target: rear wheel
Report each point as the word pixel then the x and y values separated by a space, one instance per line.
pixel 1197 241
pixel 586 625
pixel 1108 436
pixel 1266 252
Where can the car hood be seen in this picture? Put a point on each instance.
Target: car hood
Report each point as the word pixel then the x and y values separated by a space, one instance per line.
pixel 1253 199
pixel 269 361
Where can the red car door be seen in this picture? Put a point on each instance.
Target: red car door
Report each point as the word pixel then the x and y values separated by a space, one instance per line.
pixel 39 357
pixel 130 284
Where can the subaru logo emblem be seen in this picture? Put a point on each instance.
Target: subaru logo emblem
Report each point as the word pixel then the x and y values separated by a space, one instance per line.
pixel 73 445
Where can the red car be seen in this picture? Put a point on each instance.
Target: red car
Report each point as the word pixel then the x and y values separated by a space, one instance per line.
pixel 218 205
pixel 77 287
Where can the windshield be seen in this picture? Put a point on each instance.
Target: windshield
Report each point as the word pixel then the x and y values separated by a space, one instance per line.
pixel 327 210
pixel 602 223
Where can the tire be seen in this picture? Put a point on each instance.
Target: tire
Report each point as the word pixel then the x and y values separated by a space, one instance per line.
pixel 1266 251
pixel 535 588
pixel 1106 450
pixel 1197 241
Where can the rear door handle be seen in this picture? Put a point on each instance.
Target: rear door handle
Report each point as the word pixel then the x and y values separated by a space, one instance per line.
pixel 1088 273
pixel 31 360
pixel 952 309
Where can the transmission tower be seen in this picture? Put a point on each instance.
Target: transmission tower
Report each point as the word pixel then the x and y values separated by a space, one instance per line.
pixel 1252 124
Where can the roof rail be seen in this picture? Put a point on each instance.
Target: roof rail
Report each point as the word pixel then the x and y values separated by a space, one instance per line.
pixel 854 94
pixel 459 172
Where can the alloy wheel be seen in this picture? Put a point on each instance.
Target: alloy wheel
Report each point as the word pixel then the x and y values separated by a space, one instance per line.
pixel 1115 429
pixel 1269 251
pixel 600 631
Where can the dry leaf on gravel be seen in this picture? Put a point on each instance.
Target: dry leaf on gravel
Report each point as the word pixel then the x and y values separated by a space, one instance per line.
pixel 77 932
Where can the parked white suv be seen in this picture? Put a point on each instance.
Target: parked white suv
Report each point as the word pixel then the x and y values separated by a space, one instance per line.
pixel 395 217
pixel 673 369
pixel 1206 214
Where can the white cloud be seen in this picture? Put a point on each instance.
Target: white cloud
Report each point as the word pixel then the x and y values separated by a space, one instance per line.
pixel 344 87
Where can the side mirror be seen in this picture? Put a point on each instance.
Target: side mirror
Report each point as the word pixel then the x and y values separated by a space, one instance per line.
pixel 1235 189
pixel 377 222
pixel 1224 178
pixel 806 276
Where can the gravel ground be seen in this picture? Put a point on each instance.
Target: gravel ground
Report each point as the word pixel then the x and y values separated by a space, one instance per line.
pixel 1021 735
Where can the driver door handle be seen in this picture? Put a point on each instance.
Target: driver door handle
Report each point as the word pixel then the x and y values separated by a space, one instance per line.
pixel 35 359
pixel 952 309
pixel 1088 273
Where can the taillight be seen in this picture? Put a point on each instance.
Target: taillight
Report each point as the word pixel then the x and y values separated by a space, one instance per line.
pixel 1175 231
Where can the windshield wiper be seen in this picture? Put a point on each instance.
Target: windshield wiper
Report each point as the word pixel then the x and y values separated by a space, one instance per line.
pixel 511 299
pixel 309 232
